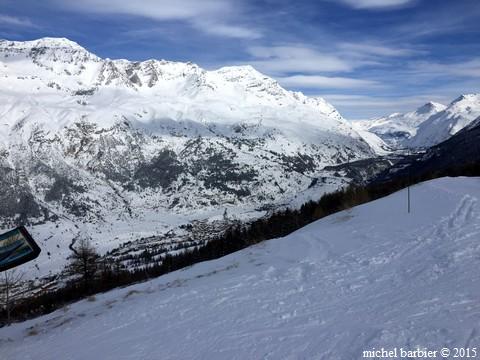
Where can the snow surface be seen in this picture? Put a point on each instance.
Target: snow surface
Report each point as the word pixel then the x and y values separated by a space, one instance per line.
pixel 370 277
pixel 378 145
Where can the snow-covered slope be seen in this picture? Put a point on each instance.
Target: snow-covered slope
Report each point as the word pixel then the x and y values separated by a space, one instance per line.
pixel 378 145
pixel 119 150
pixel 396 129
pixel 439 127
pixel 371 277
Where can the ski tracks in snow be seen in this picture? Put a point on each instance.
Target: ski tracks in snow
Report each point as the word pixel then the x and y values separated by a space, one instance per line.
pixel 449 230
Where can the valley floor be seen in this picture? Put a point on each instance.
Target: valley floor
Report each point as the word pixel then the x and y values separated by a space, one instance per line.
pixel 370 277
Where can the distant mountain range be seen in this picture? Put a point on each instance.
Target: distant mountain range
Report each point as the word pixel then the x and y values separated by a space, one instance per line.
pixel 429 125
pixel 458 155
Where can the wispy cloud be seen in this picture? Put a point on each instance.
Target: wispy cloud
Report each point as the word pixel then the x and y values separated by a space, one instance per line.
pixel 296 58
pixel 376 4
pixel 374 49
pixel 157 9
pixel 305 66
pixel 341 57
pixel 470 68
pixel 317 81
pixel 439 20
pixel 216 17
pixel 222 29
pixel 16 21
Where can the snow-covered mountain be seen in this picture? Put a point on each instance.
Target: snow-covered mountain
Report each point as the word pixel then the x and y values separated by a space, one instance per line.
pixel 459 154
pixel 368 278
pixel 397 129
pixel 120 150
pixel 439 127
pixel 427 126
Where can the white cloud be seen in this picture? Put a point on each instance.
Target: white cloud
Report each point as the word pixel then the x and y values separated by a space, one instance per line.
pixel 376 4
pixel 210 16
pixel 306 59
pixel 225 30
pixel 366 49
pixel 317 81
pixel 302 67
pixel 15 21
pixel 155 9
pixel 287 59
pixel 470 68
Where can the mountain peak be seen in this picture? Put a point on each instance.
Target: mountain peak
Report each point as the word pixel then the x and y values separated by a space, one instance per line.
pixel 430 107
pixel 466 97
pixel 56 42
pixel 240 71
pixel 45 42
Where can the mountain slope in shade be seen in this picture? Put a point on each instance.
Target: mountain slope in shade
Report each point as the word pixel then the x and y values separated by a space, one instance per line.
pixel 120 150
pixel 397 129
pixel 439 127
pixel 370 277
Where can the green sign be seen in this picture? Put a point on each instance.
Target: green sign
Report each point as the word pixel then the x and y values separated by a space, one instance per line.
pixel 16 248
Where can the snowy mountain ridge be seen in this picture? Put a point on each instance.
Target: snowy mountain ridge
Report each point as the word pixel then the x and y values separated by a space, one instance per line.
pixel 439 127
pixel 396 129
pixel 119 150
pixel 230 95
pixel 427 126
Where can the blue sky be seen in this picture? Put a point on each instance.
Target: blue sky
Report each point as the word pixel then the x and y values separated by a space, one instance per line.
pixel 367 57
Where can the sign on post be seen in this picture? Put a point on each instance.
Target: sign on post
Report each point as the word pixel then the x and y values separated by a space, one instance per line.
pixel 16 248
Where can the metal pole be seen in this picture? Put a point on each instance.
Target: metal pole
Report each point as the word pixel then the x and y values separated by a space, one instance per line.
pixel 408 191
pixel 409 180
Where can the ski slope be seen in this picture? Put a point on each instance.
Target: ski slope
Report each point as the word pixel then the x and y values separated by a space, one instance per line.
pixel 370 277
